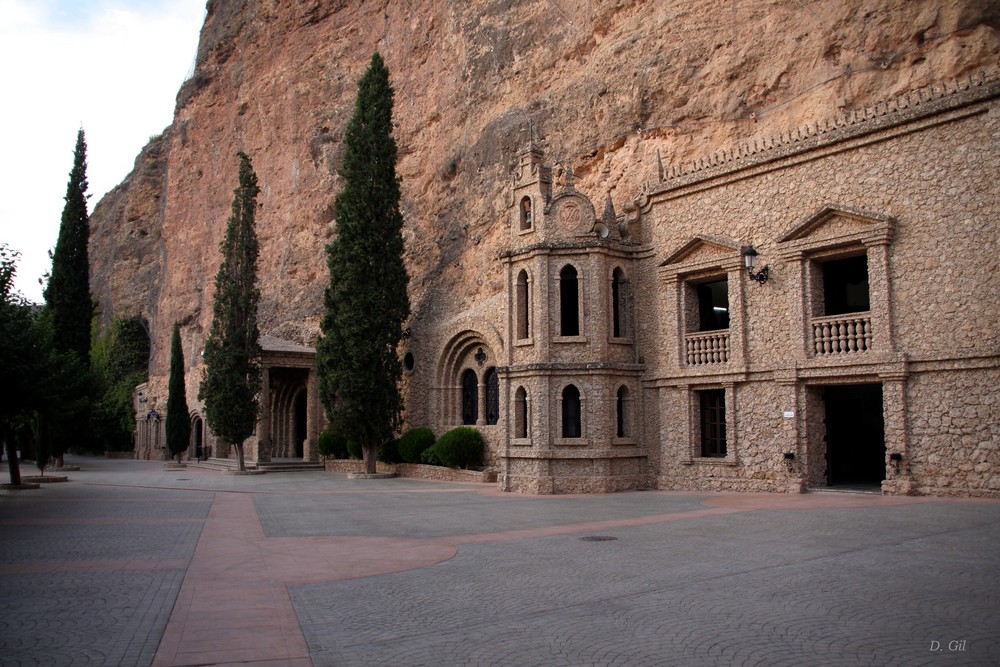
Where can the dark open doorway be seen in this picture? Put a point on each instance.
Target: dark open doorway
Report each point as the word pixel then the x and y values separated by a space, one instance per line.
pixel 301 418
pixel 855 435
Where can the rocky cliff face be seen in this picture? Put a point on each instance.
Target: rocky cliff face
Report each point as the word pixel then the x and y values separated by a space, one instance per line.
pixel 615 89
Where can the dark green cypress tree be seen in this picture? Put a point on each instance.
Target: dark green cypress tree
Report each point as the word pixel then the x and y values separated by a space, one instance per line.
pixel 178 424
pixel 231 382
pixel 67 295
pixel 366 301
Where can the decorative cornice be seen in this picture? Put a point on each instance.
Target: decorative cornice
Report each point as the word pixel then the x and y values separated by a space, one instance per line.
pixel 921 103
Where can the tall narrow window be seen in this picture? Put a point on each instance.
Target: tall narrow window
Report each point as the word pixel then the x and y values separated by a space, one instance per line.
pixel 845 286
pixel 569 304
pixel 713 305
pixel 523 305
pixel 713 423
pixel 621 412
pixel 619 304
pixel 520 413
pixel 571 412
pixel 470 397
pixel 525 214
pixel 492 396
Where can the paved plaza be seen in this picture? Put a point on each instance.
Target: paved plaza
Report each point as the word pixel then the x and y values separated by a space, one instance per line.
pixel 130 563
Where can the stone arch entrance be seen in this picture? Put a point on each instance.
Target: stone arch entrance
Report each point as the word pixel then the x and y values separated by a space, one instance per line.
pixel 197 448
pixel 289 407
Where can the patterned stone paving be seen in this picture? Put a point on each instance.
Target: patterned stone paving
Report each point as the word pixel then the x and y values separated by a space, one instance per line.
pixel 131 564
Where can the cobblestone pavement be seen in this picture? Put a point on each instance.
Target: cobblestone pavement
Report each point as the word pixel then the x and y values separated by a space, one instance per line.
pixel 133 564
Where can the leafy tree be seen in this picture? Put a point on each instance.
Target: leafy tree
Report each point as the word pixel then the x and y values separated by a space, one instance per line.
pixel 178 424
pixel 366 300
pixel 119 362
pixel 232 376
pixel 67 294
pixel 19 353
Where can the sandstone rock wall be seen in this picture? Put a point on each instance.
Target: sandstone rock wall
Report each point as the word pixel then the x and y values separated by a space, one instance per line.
pixel 613 89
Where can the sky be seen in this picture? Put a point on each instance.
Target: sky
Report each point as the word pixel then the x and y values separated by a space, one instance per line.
pixel 112 67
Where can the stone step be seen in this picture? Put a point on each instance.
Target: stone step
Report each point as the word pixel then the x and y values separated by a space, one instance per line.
pixel 270 466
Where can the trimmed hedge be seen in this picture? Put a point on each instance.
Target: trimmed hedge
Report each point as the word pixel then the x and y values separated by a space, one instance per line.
pixel 388 452
pixel 414 442
pixel 354 450
pixel 332 445
pixel 429 457
pixel 460 447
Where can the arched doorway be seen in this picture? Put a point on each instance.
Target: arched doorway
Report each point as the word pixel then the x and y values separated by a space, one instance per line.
pixel 197 439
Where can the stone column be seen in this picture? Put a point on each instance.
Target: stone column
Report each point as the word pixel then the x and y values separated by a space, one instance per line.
pixel 264 421
pixel 898 480
pixel 310 449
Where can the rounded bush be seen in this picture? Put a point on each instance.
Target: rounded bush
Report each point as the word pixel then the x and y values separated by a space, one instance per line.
pixel 388 452
pixel 414 442
pixel 332 445
pixel 354 449
pixel 460 447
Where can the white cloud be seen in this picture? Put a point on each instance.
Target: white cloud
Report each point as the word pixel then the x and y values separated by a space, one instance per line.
pixel 112 67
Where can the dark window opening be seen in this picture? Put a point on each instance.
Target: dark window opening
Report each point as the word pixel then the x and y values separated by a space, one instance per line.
pixel 713 305
pixel 619 304
pixel 492 396
pixel 713 423
pixel 523 304
pixel 571 427
pixel 521 413
pixel 845 286
pixel 621 412
pixel 470 397
pixel 569 306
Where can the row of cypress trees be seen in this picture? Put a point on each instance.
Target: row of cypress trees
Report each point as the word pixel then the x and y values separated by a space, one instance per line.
pixel 366 304
pixel 366 301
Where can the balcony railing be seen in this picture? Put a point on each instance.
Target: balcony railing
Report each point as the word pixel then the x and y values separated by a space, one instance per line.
pixel 841 334
pixel 710 347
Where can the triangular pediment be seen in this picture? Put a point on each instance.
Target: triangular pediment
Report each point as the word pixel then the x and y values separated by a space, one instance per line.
pixel 703 248
pixel 837 220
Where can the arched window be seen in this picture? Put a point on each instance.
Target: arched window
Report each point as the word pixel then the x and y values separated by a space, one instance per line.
pixel 523 306
pixel 619 304
pixel 520 413
pixel 569 304
pixel 621 412
pixel 571 412
pixel 470 397
pixel 492 396
pixel 525 214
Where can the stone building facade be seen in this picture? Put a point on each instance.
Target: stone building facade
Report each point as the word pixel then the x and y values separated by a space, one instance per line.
pixel 638 350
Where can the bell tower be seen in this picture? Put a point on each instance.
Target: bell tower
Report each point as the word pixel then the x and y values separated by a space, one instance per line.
pixel 572 371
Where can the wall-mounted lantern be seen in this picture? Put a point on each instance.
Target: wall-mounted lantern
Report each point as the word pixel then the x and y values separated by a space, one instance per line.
pixel 749 257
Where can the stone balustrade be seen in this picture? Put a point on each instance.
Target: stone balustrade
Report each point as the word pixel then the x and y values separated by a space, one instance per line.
pixel 841 334
pixel 708 347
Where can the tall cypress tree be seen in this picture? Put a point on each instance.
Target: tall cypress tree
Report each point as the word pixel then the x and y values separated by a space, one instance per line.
pixel 366 301
pixel 178 423
pixel 67 295
pixel 232 376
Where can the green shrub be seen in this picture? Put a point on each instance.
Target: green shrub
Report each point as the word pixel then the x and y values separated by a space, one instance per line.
pixel 414 442
pixel 388 452
pixel 460 447
pixel 354 449
pixel 332 445
pixel 429 457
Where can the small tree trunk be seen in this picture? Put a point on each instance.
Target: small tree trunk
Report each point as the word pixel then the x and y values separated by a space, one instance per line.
pixel 15 468
pixel 369 452
pixel 239 457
